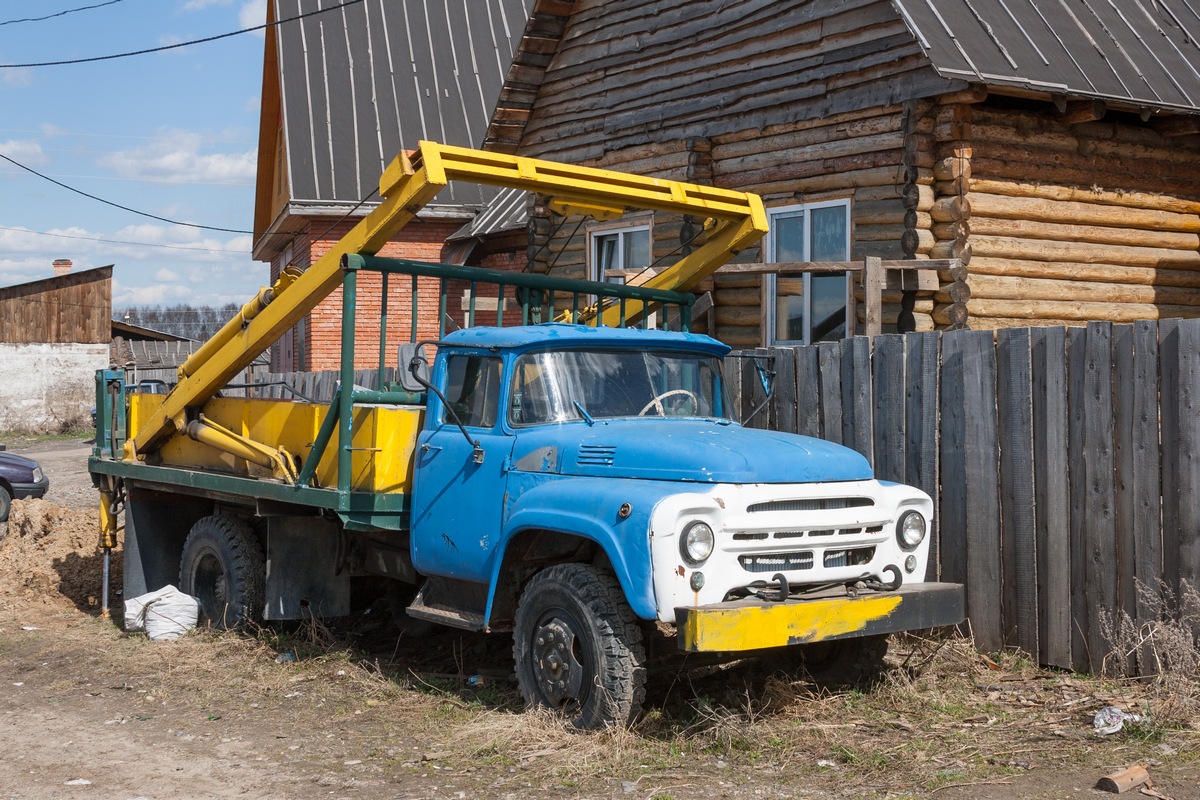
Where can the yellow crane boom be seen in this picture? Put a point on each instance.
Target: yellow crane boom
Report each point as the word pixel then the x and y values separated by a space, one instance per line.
pixel 410 182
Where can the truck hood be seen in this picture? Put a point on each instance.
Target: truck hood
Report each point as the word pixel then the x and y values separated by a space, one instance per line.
pixel 685 450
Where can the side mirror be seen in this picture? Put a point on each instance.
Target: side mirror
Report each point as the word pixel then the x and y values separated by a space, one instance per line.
pixel 414 367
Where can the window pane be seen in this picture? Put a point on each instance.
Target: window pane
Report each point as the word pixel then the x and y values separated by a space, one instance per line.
pixel 787 231
pixel 637 249
pixel 473 389
pixel 606 253
pixel 829 234
pixel 789 317
pixel 828 307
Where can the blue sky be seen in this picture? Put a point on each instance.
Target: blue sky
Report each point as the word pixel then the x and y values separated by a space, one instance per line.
pixel 173 134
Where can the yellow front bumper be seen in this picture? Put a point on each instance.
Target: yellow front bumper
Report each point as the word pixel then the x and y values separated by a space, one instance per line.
pixel 753 624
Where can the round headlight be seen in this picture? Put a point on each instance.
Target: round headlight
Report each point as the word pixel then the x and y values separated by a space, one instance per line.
pixel 696 544
pixel 910 530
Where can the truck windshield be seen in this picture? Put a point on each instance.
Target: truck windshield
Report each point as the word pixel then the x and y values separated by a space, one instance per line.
pixel 565 385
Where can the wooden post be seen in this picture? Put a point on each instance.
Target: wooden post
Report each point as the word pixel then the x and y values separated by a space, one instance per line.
pixel 873 294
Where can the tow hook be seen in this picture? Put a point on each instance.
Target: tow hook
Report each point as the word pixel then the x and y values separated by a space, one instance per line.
pixel 764 591
pixel 874 584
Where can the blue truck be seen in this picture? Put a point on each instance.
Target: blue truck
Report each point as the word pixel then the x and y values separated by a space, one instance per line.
pixel 580 487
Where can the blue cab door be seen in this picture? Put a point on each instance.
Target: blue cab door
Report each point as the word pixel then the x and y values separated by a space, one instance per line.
pixel 458 501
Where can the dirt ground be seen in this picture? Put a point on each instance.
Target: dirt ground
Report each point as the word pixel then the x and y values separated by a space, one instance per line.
pixel 359 710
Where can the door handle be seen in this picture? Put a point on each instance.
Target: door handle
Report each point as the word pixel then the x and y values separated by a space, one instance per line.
pixel 427 447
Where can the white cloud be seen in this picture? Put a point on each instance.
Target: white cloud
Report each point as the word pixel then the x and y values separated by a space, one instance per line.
pixel 252 14
pixel 176 157
pixel 18 77
pixel 200 5
pixel 27 151
pixel 166 276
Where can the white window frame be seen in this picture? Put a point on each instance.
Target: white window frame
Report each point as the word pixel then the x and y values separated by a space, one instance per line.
pixel 769 285
pixel 620 227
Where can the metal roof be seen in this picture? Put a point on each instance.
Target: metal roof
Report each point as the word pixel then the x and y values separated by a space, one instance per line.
pixel 507 212
pixel 359 84
pixel 1144 52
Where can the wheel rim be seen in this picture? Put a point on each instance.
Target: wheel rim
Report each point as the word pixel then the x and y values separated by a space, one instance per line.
pixel 210 585
pixel 558 660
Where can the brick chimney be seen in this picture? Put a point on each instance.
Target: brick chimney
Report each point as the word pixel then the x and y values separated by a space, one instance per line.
pixel 61 267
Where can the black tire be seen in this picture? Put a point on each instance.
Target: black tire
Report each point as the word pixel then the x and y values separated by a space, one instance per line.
pixel 5 503
pixel 224 568
pixel 840 662
pixel 578 647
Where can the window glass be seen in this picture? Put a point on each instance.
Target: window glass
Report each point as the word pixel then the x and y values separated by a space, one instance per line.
pixel 809 307
pixel 625 248
pixel 473 390
pixel 570 385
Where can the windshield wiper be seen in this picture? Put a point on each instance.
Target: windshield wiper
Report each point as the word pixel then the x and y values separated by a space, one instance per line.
pixel 583 412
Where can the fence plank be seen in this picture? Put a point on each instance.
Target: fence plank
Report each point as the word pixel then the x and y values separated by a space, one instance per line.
pixel 808 391
pixel 887 384
pixel 1018 532
pixel 1189 455
pixel 921 433
pixel 783 403
pixel 1099 500
pixel 829 361
pixel 1077 410
pixel 982 483
pixel 1052 496
pixel 1125 500
pixel 1168 362
pixel 953 507
pixel 1143 485
pixel 857 430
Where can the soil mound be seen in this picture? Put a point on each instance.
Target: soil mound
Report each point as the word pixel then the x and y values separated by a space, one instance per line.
pixel 52 554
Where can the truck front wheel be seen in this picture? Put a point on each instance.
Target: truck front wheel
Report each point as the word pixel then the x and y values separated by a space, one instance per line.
pixel 224 568
pixel 578 648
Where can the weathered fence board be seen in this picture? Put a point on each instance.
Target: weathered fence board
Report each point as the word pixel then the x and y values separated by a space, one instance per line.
pixel 1018 545
pixel 1064 464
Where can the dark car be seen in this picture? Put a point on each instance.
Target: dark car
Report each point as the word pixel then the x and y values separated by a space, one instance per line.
pixel 20 478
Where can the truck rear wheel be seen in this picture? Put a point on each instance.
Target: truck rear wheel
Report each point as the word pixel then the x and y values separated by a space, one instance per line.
pixel 224 568
pixel 578 648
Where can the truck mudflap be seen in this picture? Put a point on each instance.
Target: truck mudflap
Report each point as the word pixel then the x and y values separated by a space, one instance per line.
pixel 754 624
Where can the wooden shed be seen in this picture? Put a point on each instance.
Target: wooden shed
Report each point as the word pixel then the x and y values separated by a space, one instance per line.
pixel 71 308
pixel 1053 148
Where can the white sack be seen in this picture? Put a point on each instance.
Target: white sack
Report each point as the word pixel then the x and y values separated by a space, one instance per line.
pixel 164 614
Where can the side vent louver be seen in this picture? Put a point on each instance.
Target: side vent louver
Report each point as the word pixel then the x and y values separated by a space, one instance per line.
pixel 599 455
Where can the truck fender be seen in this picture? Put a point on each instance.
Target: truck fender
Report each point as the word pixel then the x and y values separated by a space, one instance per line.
pixel 589 509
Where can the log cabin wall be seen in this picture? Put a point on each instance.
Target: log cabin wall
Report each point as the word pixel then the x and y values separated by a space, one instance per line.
pixel 794 99
pixel 1060 223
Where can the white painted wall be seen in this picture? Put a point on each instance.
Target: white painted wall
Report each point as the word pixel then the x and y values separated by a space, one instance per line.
pixel 48 388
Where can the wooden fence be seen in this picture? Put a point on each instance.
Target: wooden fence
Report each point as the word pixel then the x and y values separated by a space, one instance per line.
pixel 1064 463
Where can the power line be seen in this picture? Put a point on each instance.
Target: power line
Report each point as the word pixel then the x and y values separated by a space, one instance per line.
pixel 123 241
pixel 182 44
pixel 169 221
pixel 60 13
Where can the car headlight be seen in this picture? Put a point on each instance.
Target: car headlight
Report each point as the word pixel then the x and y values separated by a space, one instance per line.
pixel 696 544
pixel 910 530
pixel 37 474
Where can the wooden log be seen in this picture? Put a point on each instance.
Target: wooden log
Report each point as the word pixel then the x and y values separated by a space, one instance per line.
pixel 1168 178
pixel 976 93
pixel 917 240
pixel 1070 271
pixel 879 212
pixel 803 136
pixel 1083 111
pixel 879 233
pixel 956 292
pixel 911 195
pixel 1083 194
pixel 890 316
pixel 845 118
pixel 952 168
pixel 739 336
pixel 1078 213
pixel 1123 779
pixel 735 280
pixel 1074 232
pixel 981 322
pixel 959 229
pixel 1079 252
pixel 950 314
pixel 739 316
pixel 1075 145
pixel 749 296
pixel 1012 287
pixel 949 209
pixel 962 249
pixel 1077 311
pixel 873 176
